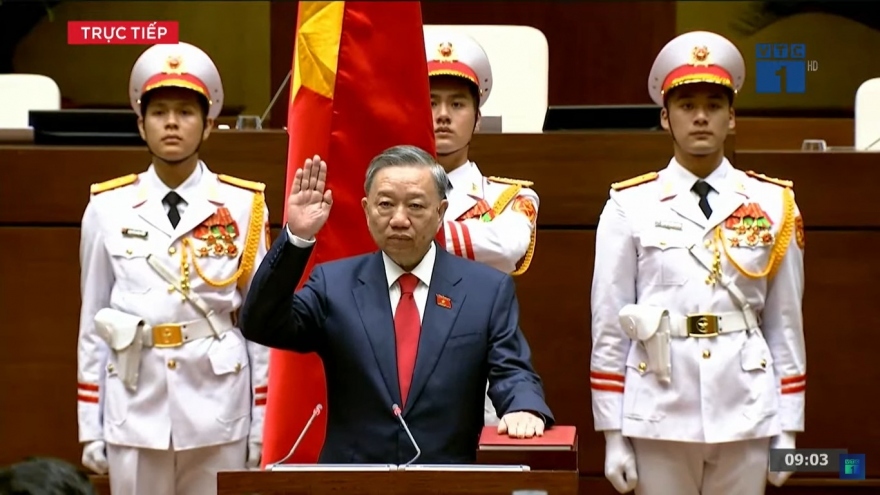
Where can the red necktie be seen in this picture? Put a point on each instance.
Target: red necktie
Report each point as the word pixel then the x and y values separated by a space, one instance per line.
pixel 407 327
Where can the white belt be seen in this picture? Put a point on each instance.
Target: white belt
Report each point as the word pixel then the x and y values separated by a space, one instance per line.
pixel 177 334
pixel 706 325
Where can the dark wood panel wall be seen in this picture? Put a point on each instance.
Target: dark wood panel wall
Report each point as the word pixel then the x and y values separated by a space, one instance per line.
pixel 600 52
pixel 39 238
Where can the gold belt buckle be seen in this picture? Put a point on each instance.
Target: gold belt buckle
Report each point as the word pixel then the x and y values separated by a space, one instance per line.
pixel 703 325
pixel 167 336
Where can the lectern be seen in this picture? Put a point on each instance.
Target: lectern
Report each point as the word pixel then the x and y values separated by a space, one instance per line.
pixel 394 480
pixel 504 465
pixel 556 451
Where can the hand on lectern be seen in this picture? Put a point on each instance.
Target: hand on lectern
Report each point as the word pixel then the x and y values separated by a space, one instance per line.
pixel 521 424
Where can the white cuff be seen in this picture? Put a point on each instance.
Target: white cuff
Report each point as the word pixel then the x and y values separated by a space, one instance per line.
pixel 297 241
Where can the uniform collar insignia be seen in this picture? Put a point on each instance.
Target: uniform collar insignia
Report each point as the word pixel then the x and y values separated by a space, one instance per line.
pixel 141 196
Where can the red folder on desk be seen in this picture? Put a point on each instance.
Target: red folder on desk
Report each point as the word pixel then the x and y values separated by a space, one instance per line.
pixel 556 438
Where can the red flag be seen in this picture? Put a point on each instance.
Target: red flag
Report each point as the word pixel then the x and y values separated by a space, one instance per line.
pixel 359 86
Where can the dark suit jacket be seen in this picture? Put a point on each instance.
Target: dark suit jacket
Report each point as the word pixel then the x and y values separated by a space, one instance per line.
pixel 344 314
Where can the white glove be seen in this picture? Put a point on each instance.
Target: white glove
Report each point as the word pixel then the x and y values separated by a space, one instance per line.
pixel 254 454
pixel 620 462
pixel 94 457
pixel 784 441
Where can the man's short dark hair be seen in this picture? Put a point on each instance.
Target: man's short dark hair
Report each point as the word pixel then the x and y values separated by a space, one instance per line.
pixel 44 476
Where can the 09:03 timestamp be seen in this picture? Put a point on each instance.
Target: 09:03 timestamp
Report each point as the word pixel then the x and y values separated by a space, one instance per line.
pixel 806 460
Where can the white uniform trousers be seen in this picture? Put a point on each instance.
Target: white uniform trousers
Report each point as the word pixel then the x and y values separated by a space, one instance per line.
pixel 135 471
pixel 685 468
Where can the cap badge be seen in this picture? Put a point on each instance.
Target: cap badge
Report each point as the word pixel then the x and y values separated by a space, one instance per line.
pixel 700 56
pixel 445 52
pixel 173 65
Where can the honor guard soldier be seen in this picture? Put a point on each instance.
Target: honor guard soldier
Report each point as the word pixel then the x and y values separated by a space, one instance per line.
pixel 169 390
pixel 489 219
pixel 698 364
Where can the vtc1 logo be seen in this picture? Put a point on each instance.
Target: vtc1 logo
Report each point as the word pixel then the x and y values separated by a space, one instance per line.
pixel 782 68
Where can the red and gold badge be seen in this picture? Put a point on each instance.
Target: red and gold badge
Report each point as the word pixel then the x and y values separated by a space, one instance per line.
pixel 479 210
pixel 218 234
pixel 750 227
pixel 800 236
pixel 526 206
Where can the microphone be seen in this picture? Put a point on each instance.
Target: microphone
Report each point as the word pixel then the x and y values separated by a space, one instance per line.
pixel 275 98
pixel 302 434
pixel 397 412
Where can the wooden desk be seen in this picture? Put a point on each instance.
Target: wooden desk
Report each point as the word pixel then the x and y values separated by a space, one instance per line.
pixel 44 191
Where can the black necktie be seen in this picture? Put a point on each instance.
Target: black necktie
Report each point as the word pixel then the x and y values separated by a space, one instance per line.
pixel 173 199
pixel 702 189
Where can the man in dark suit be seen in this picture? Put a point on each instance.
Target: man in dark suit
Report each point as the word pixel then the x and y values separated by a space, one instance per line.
pixel 410 325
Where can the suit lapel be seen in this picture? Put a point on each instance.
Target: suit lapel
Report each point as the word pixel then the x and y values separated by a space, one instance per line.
pixel 732 197
pixel 468 189
pixel 150 209
pixel 459 204
pixel 687 206
pixel 437 322
pixel 202 202
pixel 374 307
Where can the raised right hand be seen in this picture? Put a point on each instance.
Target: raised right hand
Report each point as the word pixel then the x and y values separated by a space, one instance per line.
pixel 94 458
pixel 308 205
pixel 620 462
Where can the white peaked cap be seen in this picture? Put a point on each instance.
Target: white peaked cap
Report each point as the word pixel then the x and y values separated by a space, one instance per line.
pixel 178 65
pixel 457 54
pixel 695 57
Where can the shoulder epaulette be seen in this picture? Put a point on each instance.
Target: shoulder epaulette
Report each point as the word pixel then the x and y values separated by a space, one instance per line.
pixel 111 184
pixel 515 182
pixel 779 182
pixel 244 184
pixel 635 181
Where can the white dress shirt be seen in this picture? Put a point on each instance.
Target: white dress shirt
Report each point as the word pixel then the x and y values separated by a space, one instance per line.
pixel 717 179
pixel 393 271
pixel 184 189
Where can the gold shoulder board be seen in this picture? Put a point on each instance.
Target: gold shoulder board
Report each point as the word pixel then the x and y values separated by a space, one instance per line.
pixel 635 181
pixel 779 182
pixel 111 184
pixel 514 182
pixel 244 184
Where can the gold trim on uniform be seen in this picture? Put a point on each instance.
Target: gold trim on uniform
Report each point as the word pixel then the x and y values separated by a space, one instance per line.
pixel 800 236
pixel 111 184
pixel 515 182
pixel 510 194
pixel 635 181
pixel 242 183
pixel 256 228
pixel 699 78
pixel 778 182
pixel 780 246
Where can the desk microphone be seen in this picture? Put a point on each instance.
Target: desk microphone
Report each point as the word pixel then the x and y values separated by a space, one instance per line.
pixel 302 434
pixel 397 412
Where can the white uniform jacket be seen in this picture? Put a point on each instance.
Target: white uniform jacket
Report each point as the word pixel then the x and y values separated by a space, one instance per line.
pixel 204 392
pixel 741 384
pixel 491 220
